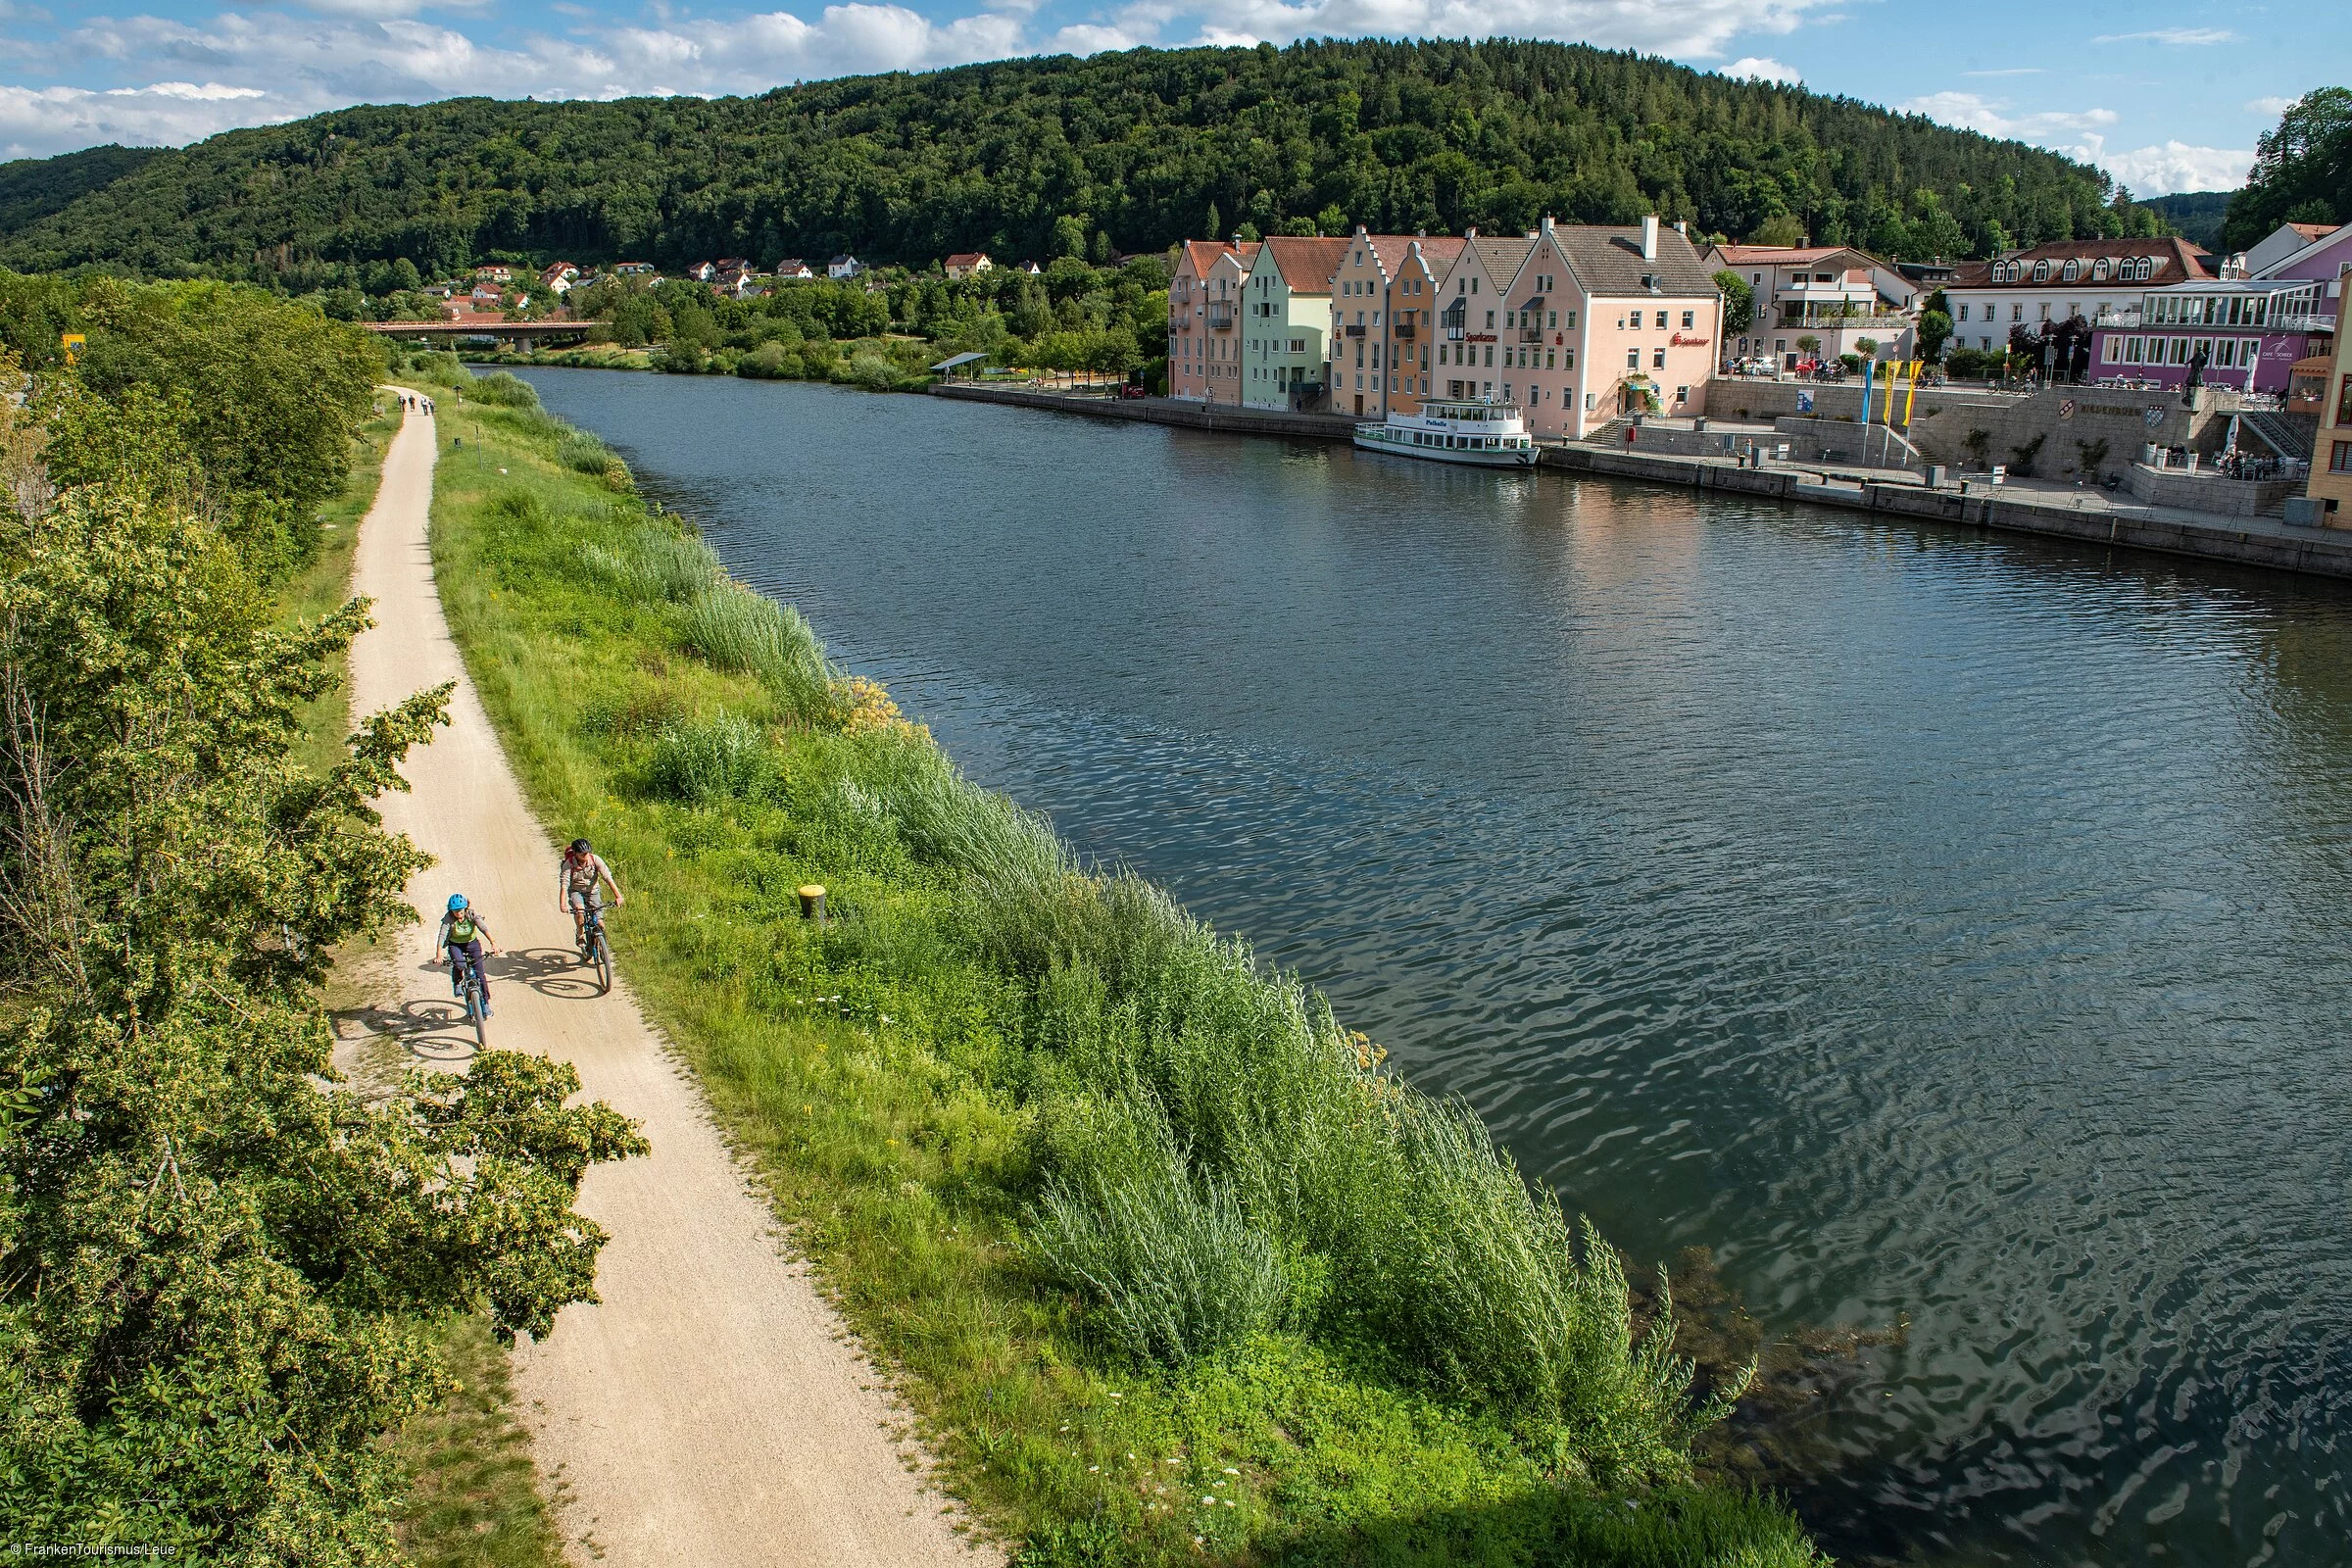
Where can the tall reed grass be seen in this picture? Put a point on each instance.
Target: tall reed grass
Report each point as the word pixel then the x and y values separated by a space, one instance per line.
pixel 739 630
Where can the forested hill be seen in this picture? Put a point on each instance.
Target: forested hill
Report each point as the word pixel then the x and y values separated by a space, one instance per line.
pixel 1033 158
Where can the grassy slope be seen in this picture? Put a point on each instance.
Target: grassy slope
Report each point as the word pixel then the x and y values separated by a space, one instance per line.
pixel 473 1496
pixel 858 1068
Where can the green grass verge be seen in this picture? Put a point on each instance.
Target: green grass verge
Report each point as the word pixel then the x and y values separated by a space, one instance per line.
pixel 473 1499
pixel 1027 1136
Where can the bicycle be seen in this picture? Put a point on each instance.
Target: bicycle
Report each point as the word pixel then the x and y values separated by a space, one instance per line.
pixel 595 945
pixel 478 1005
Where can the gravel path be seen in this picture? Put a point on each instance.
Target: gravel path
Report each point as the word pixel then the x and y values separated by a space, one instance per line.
pixel 712 1409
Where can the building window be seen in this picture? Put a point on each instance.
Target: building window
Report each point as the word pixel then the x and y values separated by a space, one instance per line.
pixel 1657 358
pixel 1682 393
pixel 2017 312
pixel 2339 458
pixel 1661 321
pixel 1963 313
pixel 1689 319
pixel 1633 359
pixel 2343 402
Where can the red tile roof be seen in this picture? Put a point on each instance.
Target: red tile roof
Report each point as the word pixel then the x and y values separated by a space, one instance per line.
pixel 1306 264
pixel 2176 262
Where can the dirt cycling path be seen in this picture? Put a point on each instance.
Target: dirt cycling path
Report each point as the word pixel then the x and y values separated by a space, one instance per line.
pixel 711 1412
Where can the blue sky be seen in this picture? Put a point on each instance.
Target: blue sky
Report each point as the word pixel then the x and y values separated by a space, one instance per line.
pixel 2166 96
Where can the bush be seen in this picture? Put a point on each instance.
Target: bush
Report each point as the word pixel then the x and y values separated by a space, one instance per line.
pixel 873 372
pixel 504 389
pixel 706 760
pixel 583 452
pixel 738 629
pixel 656 564
pixel 1176 1271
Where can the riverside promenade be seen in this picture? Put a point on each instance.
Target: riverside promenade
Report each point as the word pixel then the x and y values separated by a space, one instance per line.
pixel 2084 516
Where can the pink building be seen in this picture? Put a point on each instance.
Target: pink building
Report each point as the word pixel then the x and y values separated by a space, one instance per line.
pixel 1204 363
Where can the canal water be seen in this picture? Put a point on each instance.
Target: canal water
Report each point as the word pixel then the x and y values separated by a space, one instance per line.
pixel 1948 931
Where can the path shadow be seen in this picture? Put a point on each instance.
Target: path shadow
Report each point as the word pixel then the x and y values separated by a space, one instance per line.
pixel 428 1031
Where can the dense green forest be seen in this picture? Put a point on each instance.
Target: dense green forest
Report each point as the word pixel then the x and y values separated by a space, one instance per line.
pixel 2195 215
pixel 1051 157
pixel 2302 171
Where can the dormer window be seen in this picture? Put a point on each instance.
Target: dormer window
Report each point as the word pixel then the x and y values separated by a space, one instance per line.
pixel 2072 271
pixel 2098 270
pixel 2041 270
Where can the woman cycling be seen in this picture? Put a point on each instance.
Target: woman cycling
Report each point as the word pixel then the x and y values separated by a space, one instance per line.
pixel 578 875
pixel 462 935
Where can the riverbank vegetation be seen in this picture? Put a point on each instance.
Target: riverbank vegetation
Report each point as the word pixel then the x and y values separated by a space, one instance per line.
pixel 227 1277
pixel 1044 158
pixel 1170 1262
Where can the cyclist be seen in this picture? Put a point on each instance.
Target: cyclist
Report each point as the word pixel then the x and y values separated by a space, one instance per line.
pixel 578 875
pixel 462 935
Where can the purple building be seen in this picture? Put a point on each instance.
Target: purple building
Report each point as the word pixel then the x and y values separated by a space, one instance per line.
pixel 2252 330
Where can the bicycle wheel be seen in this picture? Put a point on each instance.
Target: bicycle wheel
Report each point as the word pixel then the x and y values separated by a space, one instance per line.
pixel 604 962
pixel 476 1009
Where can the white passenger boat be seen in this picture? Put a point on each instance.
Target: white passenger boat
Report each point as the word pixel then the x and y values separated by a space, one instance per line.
pixel 1485 435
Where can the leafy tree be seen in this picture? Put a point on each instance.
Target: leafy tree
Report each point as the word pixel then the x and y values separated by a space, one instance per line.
pixel 221 1263
pixel 1934 331
pixel 1779 229
pixel 1738 301
pixel 2302 171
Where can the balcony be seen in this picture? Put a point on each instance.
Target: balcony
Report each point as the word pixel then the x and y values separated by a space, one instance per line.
pixel 1404 333
pixel 1352 331
pixel 1220 316
pixel 1531 334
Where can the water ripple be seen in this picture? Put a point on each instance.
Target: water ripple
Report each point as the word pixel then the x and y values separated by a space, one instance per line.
pixel 1944 929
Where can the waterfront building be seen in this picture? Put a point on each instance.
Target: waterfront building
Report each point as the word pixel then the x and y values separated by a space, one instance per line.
pixel 1580 325
pixel 2061 281
pixel 1286 315
pixel 1204 300
pixel 2253 331
pixel 1834 294
pixel 1471 360
pixel 1383 309
pixel 2331 482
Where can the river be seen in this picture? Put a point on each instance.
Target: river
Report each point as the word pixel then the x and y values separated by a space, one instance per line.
pixel 1947 930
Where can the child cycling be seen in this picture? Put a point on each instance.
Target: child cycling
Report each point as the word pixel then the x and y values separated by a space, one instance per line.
pixel 462 935
pixel 577 875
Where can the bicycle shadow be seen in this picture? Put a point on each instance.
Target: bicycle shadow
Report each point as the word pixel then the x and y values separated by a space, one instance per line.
pixel 423 1031
pixel 557 973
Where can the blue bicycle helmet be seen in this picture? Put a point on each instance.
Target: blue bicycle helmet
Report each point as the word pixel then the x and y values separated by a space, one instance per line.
pixel 456 901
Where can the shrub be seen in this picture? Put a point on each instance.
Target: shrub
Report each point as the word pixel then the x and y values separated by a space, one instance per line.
pixel 706 760
pixel 1176 1272
pixel 656 564
pixel 583 452
pixel 738 629
pixel 504 389
pixel 874 371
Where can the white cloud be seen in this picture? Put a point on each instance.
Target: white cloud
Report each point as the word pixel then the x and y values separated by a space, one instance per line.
pixel 2269 106
pixel 2180 35
pixel 1971 112
pixel 1082 39
pixel 1763 68
pixel 2013 71
pixel 2156 170
pixel 2175 166
pixel 37 122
